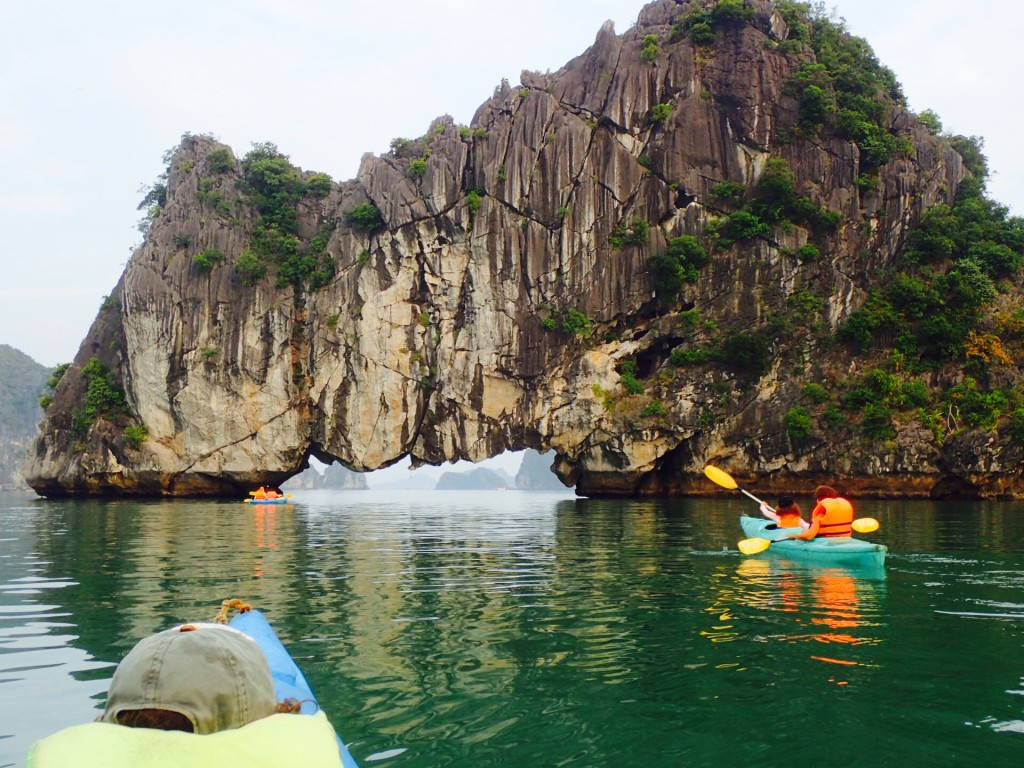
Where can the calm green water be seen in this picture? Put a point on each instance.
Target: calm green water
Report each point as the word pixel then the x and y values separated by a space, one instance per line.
pixel 507 628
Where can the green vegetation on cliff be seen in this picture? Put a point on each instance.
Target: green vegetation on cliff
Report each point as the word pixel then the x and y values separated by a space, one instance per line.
pixel 843 91
pixel 941 317
pixel 51 384
pixel 940 336
pixel 275 188
pixel 774 202
pixel 933 308
pixel 680 263
pixel 271 187
pixel 365 217
pixel 104 397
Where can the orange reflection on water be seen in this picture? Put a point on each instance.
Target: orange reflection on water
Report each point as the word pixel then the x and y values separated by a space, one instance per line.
pixel 836 594
pixel 825 604
pixel 845 662
pixel 265 526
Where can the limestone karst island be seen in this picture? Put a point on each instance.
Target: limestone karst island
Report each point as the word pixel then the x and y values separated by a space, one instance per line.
pixel 720 237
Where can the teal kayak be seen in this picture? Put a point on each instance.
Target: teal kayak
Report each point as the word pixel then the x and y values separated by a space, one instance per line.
pixel 289 682
pixel 833 550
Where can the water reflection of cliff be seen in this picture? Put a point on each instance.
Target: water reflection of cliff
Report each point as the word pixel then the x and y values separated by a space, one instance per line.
pixel 139 567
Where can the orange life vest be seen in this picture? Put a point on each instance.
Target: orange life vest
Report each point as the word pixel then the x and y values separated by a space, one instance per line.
pixel 789 519
pixel 835 517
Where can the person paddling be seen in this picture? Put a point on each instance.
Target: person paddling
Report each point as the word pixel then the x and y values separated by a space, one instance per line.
pixel 786 515
pixel 833 515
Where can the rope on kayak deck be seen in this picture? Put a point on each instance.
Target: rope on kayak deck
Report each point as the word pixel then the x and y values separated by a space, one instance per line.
pixel 227 605
pixel 290 705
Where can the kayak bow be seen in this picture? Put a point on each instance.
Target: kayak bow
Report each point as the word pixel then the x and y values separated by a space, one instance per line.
pixel 289 682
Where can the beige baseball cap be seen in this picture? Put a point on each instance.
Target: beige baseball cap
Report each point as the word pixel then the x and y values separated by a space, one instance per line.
pixel 212 674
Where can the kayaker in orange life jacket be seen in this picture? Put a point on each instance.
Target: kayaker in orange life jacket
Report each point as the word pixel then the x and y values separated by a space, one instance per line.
pixel 786 515
pixel 832 516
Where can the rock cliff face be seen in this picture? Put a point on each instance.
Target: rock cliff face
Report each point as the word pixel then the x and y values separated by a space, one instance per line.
pixel 535 473
pixel 334 477
pixel 494 307
pixel 479 479
pixel 22 382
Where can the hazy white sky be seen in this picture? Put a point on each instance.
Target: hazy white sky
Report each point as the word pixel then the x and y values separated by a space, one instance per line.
pixel 93 93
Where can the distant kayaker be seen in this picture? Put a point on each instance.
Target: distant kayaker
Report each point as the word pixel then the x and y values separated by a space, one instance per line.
pixel 786 515
pixel 260 493
pixel 833 515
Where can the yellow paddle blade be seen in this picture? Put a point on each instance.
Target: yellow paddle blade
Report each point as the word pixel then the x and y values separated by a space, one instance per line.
pixel 865 524
pixel 753 546
pixel 720 477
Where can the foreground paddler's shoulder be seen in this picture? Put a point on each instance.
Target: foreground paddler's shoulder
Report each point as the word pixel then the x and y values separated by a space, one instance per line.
pixel 278 741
